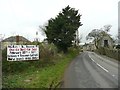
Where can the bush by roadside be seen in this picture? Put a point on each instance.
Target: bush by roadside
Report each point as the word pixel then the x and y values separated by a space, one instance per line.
pixel 45 73
pixel 47 55
pixel 115 53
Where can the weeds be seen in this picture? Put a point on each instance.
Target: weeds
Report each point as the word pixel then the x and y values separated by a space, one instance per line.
pixel 44 73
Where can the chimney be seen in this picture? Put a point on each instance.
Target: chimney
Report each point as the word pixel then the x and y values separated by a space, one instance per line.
pixel 17 39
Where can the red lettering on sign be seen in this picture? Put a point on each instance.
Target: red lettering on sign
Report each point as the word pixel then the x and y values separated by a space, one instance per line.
pixel 11 49
pixel 34 49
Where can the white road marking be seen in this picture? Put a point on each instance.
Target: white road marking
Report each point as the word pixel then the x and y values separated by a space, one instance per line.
pixel 92 59
pixel 100 65
pixel 113 75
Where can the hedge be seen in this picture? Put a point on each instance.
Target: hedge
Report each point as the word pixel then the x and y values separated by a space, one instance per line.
pixel 114 53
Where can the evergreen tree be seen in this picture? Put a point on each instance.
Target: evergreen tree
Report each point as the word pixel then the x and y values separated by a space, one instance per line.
pixel 62 30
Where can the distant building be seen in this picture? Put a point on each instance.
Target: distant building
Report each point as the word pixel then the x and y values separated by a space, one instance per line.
pixel 106 41
pixel 89 46
pixel 13 40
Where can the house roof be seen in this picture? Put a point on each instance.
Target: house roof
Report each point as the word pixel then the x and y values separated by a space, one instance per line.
pixel 107 36
pixel 13 39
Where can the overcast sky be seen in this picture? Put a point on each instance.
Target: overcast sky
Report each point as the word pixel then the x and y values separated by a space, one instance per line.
pixel 23 17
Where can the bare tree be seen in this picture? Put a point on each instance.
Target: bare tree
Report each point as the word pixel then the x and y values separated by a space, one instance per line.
pixel 42 29
pixel 96 34
pixel 107 27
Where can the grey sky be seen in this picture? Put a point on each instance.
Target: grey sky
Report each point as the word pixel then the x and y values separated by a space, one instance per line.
pixel 23 17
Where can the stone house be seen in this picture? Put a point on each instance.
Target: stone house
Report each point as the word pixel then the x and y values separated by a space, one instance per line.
pixel 105 41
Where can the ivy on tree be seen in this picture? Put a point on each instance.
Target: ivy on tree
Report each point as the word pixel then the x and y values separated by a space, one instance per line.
pixel 62 29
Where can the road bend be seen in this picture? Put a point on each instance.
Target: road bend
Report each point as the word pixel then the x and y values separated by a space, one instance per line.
pixel 90 70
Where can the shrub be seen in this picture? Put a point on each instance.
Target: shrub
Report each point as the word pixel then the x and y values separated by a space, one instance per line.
pixel 47 51
pixel 108 52
pixel 101 50
pixel 47 54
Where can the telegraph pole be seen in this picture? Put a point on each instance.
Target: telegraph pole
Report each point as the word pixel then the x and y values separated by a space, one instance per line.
pixel 77 39
pixel 118 37
pixel 119 23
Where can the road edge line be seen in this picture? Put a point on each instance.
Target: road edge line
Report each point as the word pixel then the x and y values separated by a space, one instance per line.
pixel 98 64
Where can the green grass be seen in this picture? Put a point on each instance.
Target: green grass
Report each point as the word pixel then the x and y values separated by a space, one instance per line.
pixel 34 77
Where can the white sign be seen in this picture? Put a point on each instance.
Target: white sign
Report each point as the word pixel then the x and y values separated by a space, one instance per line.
pixel 22 52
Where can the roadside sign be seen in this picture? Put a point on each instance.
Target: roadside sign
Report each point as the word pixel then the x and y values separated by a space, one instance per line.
pixel 22 52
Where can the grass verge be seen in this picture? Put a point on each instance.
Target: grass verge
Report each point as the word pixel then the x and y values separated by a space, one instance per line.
pixel 45 77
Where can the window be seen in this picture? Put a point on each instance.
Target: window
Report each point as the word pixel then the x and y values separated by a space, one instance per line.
pixel 105 43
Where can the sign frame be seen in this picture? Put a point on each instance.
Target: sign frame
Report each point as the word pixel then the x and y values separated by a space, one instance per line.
pixel 22 52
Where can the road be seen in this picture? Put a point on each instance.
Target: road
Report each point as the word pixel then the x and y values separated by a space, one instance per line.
pixel 90 70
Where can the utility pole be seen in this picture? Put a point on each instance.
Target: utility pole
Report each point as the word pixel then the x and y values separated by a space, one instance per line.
pixel 119 23
pixel 77 38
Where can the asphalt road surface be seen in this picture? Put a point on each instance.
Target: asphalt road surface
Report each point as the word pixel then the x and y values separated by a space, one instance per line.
pixel 90 70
